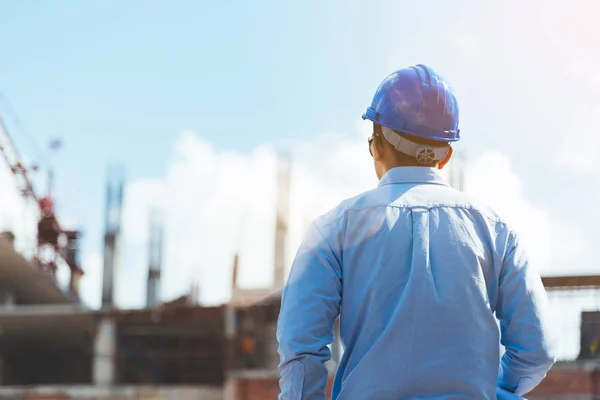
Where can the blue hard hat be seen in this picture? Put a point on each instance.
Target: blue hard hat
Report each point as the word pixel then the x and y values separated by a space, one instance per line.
pixel 416 101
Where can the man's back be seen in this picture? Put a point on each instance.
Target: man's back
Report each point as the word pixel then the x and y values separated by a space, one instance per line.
pixel 423 274
pixel 420 271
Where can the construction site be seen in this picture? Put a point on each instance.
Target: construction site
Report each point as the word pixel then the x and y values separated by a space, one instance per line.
pixel 52 346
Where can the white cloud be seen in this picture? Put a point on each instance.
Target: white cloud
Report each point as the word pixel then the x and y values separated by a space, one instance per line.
pixel 580 149
pixel 141 198
pixel 218 202
pixel 468 47
pixel 551 243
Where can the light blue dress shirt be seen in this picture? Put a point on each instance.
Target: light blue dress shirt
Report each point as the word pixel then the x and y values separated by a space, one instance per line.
pixel 418 273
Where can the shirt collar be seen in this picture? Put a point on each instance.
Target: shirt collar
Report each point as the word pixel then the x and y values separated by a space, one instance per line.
pixel 413 175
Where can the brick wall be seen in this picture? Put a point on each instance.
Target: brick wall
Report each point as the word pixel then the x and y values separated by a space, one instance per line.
pixel 577 380
pixel 261 388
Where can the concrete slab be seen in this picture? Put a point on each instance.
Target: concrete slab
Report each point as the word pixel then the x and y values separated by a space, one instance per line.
pixel 112 393
pixel 28 284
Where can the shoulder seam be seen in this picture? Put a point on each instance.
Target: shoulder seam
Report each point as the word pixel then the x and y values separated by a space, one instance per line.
pixel 454 206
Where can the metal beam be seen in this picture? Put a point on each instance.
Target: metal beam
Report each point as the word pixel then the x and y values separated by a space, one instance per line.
pixel 42 311
pixel 571 282
pixel 170 330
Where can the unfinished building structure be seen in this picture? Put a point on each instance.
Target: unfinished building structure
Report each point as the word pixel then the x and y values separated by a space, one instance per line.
pixel 51 344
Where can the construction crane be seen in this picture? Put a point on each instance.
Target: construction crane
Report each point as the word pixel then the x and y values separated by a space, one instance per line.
pixel 53 242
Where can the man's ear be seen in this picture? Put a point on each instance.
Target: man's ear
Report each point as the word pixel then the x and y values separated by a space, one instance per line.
pixel 378 146
pixel 443 162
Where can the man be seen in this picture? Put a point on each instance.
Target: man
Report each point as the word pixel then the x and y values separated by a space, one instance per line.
pixel 417 272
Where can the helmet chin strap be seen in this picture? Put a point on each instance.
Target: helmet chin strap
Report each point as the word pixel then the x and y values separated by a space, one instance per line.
pixel 424 154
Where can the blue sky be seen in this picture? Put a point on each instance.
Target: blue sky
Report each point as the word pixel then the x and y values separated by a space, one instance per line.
pixel 185 92
pixel 118 81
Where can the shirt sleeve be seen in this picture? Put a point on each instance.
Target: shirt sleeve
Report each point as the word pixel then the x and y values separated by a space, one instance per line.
pixel 309 306
pixel 523 311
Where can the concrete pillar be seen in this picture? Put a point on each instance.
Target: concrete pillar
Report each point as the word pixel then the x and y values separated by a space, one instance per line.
pixel 230 321
pixel 104 353
pixel 230 336
pixel 230 388
pixel 7 299
pixel 74 283
pixel 108 277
